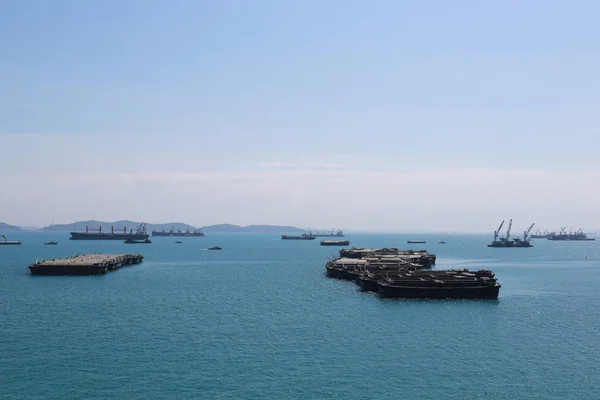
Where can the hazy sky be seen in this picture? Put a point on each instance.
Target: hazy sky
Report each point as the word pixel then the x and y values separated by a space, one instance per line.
pixel 372 115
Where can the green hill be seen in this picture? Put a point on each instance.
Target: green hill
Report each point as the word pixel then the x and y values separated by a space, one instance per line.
pixel 7 227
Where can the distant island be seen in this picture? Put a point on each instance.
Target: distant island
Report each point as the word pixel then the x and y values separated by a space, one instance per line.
pixel 7 227
pixel 80 226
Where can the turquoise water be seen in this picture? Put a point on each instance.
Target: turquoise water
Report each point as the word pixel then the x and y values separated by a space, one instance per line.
pixel 259 320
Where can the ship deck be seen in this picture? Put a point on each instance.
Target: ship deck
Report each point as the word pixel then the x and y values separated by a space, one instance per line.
pixel 85 264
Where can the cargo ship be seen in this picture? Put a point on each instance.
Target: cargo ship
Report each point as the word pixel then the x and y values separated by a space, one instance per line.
pixel 172 233
pixel 571 236
pixel 539 235
pixel 507 241
pixel 97 234
pixel 304 236
pixel 334 233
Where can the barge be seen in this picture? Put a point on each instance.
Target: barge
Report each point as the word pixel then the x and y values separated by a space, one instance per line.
pixel 335 242
pixel 421 257
pixel 9 242
pixel 85 264
pixel 505 242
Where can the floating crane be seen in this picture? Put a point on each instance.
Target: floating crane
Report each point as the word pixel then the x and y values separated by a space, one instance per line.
pixel 507 241
pixel 526 233
pixel 497 232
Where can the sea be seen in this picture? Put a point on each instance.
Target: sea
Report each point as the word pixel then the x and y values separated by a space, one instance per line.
pixel 260 320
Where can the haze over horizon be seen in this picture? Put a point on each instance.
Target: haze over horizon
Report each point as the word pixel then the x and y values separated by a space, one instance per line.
pixel 375 116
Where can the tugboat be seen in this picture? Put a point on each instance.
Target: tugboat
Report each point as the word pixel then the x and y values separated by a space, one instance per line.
pixel 563 235
pixel 50 243
pixel 215 248
pixel 133 241
pixel 507 242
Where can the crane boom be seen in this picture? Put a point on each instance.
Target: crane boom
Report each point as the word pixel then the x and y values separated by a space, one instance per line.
pixel 496 233
pixel 500 227
pixel 508 230
pixel 527 232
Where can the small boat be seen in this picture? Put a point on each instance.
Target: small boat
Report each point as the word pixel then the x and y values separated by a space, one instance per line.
pixel 49 243
pixel 178 242
pixel 215 248
pixel 133 241
pixel 442 242
pixel 416 241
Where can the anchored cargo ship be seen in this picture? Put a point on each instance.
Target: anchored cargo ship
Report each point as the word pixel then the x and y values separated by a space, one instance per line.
pixel 334 233
pixel 97 234
pixel 539 235
pixel 577 235
pixel 304 236
pixel 186 233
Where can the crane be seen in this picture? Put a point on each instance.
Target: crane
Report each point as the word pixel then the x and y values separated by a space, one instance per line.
pixel 508 230
pixel 496 233
pixel 526 233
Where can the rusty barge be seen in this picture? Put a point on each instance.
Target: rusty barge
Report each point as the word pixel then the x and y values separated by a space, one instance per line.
pixel 394 273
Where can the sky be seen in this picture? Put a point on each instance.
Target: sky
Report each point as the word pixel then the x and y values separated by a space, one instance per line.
pixel 379 115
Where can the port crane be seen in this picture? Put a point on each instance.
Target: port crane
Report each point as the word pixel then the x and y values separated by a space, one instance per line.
pixel 497 232
pixel 526 233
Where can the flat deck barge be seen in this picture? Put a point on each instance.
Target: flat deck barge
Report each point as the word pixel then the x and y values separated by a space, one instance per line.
pixel 85 264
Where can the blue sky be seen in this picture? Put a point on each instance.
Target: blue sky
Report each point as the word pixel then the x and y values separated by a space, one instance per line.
pixel 380 115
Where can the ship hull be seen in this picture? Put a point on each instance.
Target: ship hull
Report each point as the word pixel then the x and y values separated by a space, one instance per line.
pixel 509 246
pixel 175 234
pixel 335 243
pixel 570 239
pixel 415 292
pixel 298 238
pixel 108 236
pixel 62 270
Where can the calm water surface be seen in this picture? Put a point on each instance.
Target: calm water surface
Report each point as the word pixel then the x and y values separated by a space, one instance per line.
pixel 259 320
